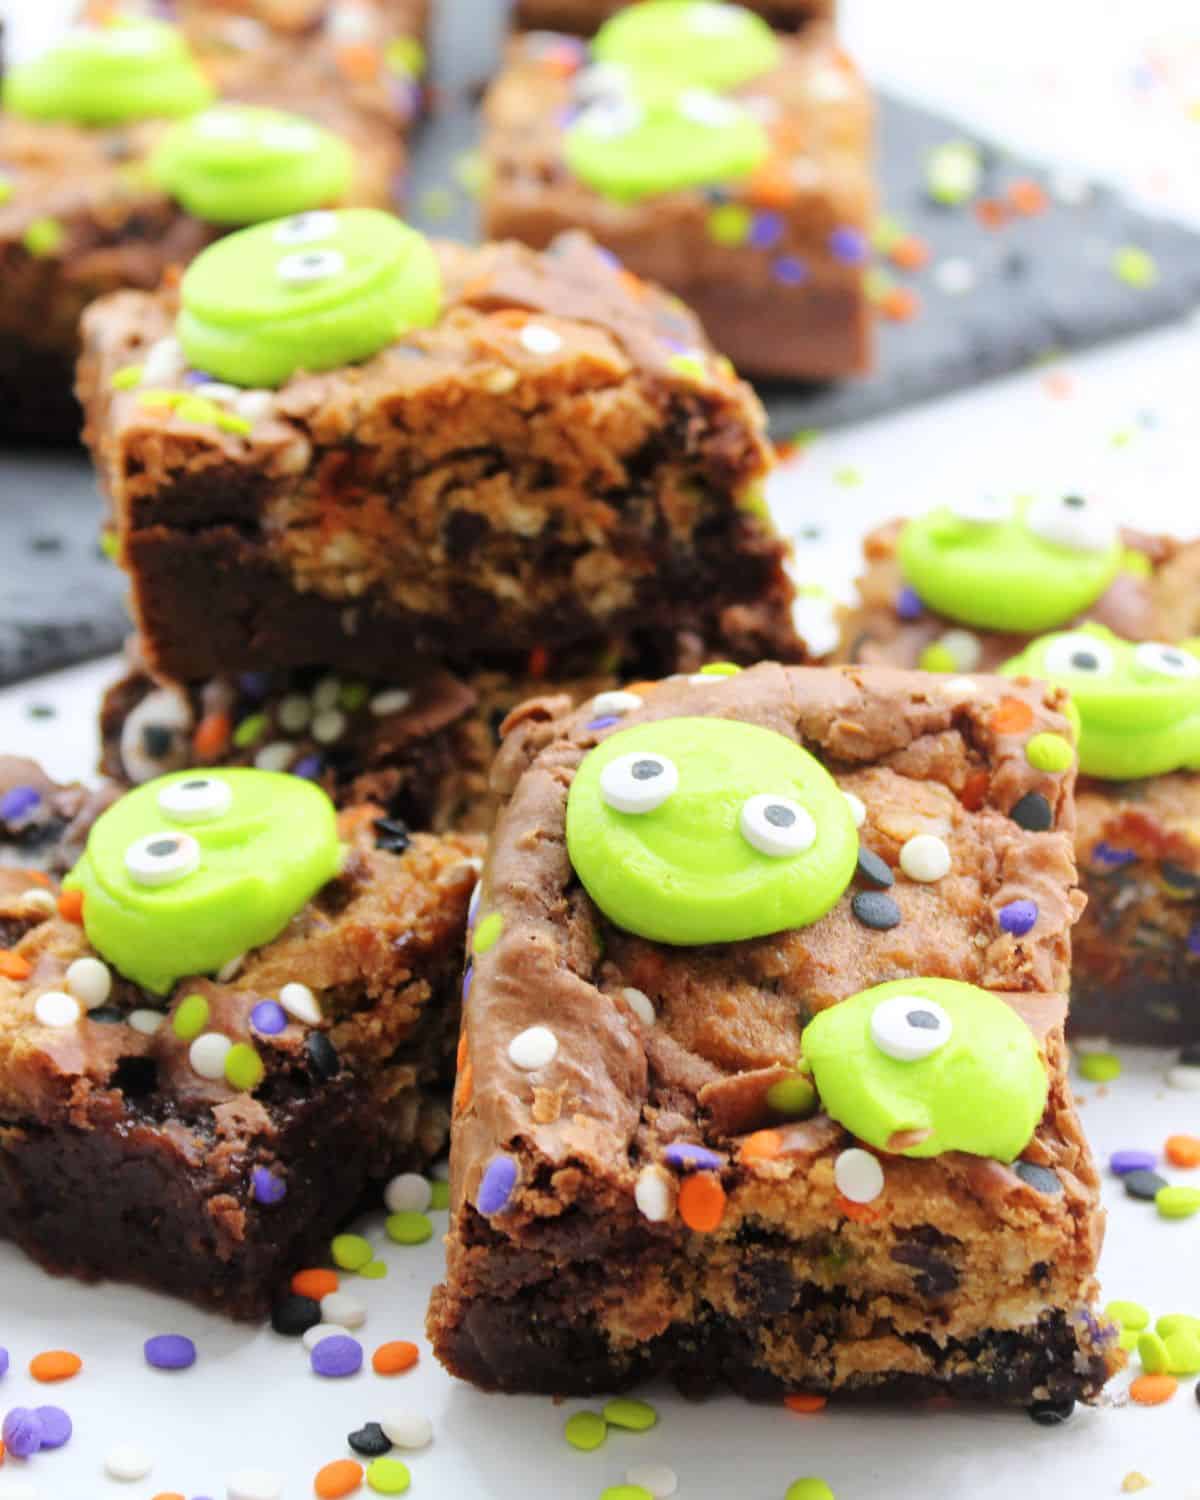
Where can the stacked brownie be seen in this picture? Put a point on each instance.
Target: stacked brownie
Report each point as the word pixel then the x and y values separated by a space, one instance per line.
pixel 729 162
pixel 586 16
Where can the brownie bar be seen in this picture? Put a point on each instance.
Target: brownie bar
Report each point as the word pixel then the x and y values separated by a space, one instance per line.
pixel 118 1160
pixel 586 16
pixel 775 270
pixel 539 470
pixel 572 1266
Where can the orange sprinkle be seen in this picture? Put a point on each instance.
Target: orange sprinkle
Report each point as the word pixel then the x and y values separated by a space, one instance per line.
pixel 359 63
pixel 763 1145
pixel 170 1495
pixel 510 317
pixel 395 1358
pixel 13 966
pixel 641 688
pixel 991 213
pixel 909 253
pixel 211 736
pixel 702 1202
pixel 462 1051
pixel 55 1364
pixel 1012 716
pixel 861 1213
pixel 1028 197
pixel 1153 1390
pixel 1058 383
pixel 771 186
pixel 315 1284
pixel 36 877
pixel 900 304
pixel 539 661
pixel 342 1477
pixel 1183 1150
pixel 634 285
pixel 975 790
pixel 806 1401
pixel 70 905
pixel 464 1089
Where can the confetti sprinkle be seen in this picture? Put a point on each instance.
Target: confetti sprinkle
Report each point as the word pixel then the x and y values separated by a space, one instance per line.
pixel 408 1228
pixel 336 1356
pixel 585 1430
pixel 54 1365
pixel 631 1414
pixel 1136 268
pixel 1099 1067
pixel 170 1351
pixel 395 1357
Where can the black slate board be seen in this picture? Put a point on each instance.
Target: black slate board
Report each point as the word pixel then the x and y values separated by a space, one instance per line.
pixel 1042 284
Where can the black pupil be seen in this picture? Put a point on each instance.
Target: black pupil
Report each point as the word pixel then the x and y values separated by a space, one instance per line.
pixel 194 786
pixel 1172 658
pixel 1085 661
pixel 779 816
pixel 922 1020
pixel 646 770
pixel 160 848
pixel 1075 502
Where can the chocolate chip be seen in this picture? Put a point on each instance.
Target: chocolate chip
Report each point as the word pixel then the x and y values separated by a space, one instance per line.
pixel 873 868
pixel 369 1441
pixel 876 910
pixel 106 1015
pixel 294 1315
pixel 322 1055
pixel 1040 1179
pixel 1173 874
pixel 1143 1185
pixel 1033 813
pixel 391 835
pixel 1051 1413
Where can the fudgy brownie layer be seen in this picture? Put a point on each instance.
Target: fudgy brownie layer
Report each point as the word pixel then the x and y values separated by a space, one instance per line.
pixel 586 16
pixel 43 823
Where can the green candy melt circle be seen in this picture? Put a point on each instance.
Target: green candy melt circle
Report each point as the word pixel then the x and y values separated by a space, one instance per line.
pixel 1027 566
pixel 192 869
pixel 314 292
pixel 110 74
pixel 693 42
pixel 235 164
pixel 694 869
pixel 957 1067
pixel 1138 706
pixel 628 148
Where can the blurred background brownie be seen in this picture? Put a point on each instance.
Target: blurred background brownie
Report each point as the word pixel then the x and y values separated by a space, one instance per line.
pixel 586 16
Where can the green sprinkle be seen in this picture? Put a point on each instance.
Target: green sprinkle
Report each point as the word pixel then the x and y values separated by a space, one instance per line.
pixel 585 1430
pixel 808 1489
pixel 720 669
pixel 353 695
pixel 1099 1067
pixel 1134 267
pixel 689 366
pixel 470 170
pixel 888 232
pixel 250 730
pixel 388 1476
pixel 437 203
pixel 1177 1202
pixel 1128 1339
pixel 1129 1315
pixel 848 477
pixel 126 378
pixel 877 283
pixel 1050 752
pixel 409 1228
pixel 441 1194
pixel 6 188
pixel 953 172
pixel 793 1097
pixel 1175 1323
pixel 488 932
pixel 406 56
pixel 753 500
pixel 351 1252
pixel 937 658
pixel 374 1270
pixel 636 1416
pixel 229 421
pixel 190 1018
pixel 244 1068
pixel 152 399
pixel 1137 563
pixel 44 237
pixel 1183 1352
pixel 1152 1352
pixel 626 1492
pixel 197 409
pixel 729 224
pixel 110 545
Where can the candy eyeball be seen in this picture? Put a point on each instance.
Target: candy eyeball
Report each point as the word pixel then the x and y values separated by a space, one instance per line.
pixel 222 125
pixel 287 135
pixel 305 266
pixel 1157 660
pixel 608 119
pixel 1080 655
pixel 1073 521
pixel 712 20
pixel 602 82
pixel 983 510
pixel 910 1027
pixel 302 229
pixel 199 799
pixel 709 110
pixel 638 783
pixel 156 736
pixel 162 858
pixel 776 825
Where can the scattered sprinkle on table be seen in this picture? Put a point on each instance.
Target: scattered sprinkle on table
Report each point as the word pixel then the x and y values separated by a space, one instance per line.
pixel 625 1411
pixel 805 1401
pixel 313 1336
pixel 808 1489
pixel 407 1429
pixel 1122 1162
pixel 343 1309
pixel 1143 1185
pixel 315 1284
pixel 1153 1390
pixel 336 1356
pixel 625 1492
pixel 55 1364
pixel 659 1479
pixel 388 1476
pixel 585 1430
pixel 21 1432
pixel 1183 1150
pixel 170 1351
pixel 369 1441
pixel 395 1357
pixel 293 1316
pixel 1177 1202
pixel 342 1477
pixel 1128 1315
pixel 1099 1067
pixel 408 1193
pixel 127 1462
pixel 408 1228
pixel 56 1426
pixel 255 1484
pixel 351 1252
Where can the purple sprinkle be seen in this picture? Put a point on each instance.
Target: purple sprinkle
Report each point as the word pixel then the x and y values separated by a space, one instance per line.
pixel 607 258
pixel 467 978
pixel 56 1426
pixel 267 1187
pixel 849 245
pixel 308 766
pixel 170 1351
pixel 791 270
pixel 3 1361
pixel 1107 855
pixel 337 1356
pixel 1193 939
pixel 496 1188
pixel 196 377
pixel 22 1432
pixel 1018 917
pixel 19 802
pixel 473 905
pixel 255 685
pixel 606 722
pixel 685 1156
pixel 1121 1162
pixel 268 1017
pixel 766 230
pixel 908 604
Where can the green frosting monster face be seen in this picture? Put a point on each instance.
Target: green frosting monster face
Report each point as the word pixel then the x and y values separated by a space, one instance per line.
pixel 1138 705
pixel 688 43
pixel 313 292
pixel 692 831
pixel 110 74
pixel 1024 565
pixel 922 1066
pixel 191 870
pixel 234 164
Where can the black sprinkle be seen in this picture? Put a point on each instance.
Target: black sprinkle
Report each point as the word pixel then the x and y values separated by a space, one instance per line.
pixel 294 1315
pixel 391 835
pixel 873 868
pixel 875 909
pixel 1190 1056
pixel 1173 874
pixel 1051 1413
pixel 369 1441
pixel 1143 1185
pixel 1033 813
pixel 156 741
pixel 42 711
pixel 1040 1179
pixel 46 543
pixel 106 1015
pixel 322 1055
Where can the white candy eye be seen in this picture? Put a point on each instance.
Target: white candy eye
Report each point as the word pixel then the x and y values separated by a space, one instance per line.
pixel 300 229
pixel 310 265
pixel 602 82
pixel 983 510
pixel 638 782
pixel 909 1027
pixel 609 119
pixel 162 858
pixel 710 110
pixel 1166 661
pixel 776 825
pixel 156 737
pixel 1080 655
pixel 1072 521
pixel 221 125
pixel 196 800
pixel 713 20
pixel 284 135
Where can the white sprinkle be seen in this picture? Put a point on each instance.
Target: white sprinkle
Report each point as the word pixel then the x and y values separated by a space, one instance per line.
pixel 960 687
pixel 54 1008
pixel 407 1429
pixel 329 725
pixel 299 1001
pixel 40 900
pixel 277 756
pixel 89 980
pixel 147 1022
pixel 858 1175
pixel 954 276
pixel 207 1055
pixel 311 1337
pixel 641 1005
pixel 858 808
pixel 815 619
pixel 440 1171
pixel 218 391
pixel 230 970
pixel 1185 1076
pixel 254 405
pixel 326 693
pixel 164 363
pixel 925 857
pixel 963 647
pixel 390 701
pixel 655 1194
pixel 127 1462
pixel 294 712
pixel 408 1192
pixel 254 1484
pixel 539 339
pixel 344 1310
pixel 533 1048
pixel 659 1479
pixel 617 702
pixel 348 23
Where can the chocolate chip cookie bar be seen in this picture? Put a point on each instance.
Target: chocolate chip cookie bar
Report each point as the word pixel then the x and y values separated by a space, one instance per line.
pixel 762 1074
